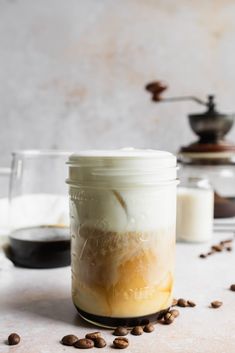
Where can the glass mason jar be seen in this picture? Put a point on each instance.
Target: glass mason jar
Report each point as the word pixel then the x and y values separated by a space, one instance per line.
pixel 195 206
pixel 122 212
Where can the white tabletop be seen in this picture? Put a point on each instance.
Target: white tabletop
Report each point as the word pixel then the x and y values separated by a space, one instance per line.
pixel 37 305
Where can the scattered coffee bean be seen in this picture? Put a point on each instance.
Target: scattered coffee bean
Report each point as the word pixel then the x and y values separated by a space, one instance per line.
pixel 149 328
pixel 69 340
pixel 137 331
pixel 232 287
pixel 174 302
pixel 120 331
pixel 182 303
pixel 174 312
pixel 121 342
pixel 210 253
pixel 226 241
pixel 216 304
pixel 84 343
pixel 99 342
pixel 221 246
pixel 13 339
pixel 217 248
pixel 93 335
pixel 168 318
pixel 191 303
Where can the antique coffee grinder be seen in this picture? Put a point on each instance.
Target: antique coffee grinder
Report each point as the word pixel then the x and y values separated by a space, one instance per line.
pixel 211 156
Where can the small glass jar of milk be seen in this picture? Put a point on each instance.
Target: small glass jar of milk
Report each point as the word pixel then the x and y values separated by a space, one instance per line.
pixel 195 206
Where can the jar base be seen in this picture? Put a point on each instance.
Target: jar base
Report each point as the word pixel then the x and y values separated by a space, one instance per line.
pixel 113 322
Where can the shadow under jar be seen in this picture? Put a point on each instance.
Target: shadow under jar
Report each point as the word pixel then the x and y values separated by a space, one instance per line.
pixel 122 213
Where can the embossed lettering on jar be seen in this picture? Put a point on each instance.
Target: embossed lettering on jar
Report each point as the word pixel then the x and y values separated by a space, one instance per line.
pixel 123 209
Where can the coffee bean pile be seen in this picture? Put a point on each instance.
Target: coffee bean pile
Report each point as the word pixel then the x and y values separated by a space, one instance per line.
pixel 94 339
pixel 183 303
pixel 91 340
pixel 224 245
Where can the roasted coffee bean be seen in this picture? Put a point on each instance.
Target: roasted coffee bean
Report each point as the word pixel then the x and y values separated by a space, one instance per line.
pixel 182 303
pixel 202 256
pixel 232 287
pixel 137 331
pixel 120 331
pixel 229 248
pixel 121 342
pixel 216 304
pixel 174 302
pixel 99 342
pixel 168 318
pixel 210 253
pixel 93 335
pixel 226 241
pixel 84 343
pixel 69 340
pixel 217 248
pixel 149 328
pixel 13 339
pixel 174 312
pixel 191 303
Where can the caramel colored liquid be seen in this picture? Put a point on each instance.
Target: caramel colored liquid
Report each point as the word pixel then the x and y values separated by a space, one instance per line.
pixel 123 275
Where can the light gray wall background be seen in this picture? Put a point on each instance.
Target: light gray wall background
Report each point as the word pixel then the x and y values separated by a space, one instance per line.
pixel 72 72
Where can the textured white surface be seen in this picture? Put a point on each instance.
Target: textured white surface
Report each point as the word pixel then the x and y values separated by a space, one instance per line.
pixel 37 305
pixel 72 72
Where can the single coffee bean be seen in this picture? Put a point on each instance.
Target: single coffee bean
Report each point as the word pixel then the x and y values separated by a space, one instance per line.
pixel 168 318
pixel 137 331
pixel 202 256
pixel 174 302
pixel 84 343
pixel 191 303
pixel 232 287
pixel 99 342
pixel 210 253
pixel 120 331
pixel 229 248
pixel 121 342
pixel 93 335
pixel 216 304
pixel 174 312
pixel 149 328
pixel 13 339
pixel 69 340
pixel 217 248
pixel 182 303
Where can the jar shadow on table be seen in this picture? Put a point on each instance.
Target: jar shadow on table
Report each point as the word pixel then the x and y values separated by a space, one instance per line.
pixel 47 307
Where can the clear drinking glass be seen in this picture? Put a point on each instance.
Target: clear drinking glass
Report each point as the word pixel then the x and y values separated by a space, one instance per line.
pixel 39 216
pixel 4 209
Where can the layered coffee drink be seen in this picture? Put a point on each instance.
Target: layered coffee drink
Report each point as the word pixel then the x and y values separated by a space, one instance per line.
pixel 122 209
